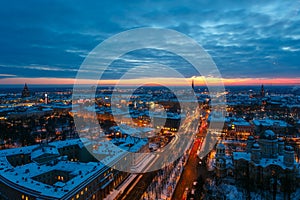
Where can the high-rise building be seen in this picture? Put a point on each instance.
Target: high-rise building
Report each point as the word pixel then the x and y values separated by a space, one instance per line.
pixel 220 160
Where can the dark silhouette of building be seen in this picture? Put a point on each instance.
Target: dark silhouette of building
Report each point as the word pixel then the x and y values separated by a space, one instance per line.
pixel 262 91
pixel 25 92
pixel 193 86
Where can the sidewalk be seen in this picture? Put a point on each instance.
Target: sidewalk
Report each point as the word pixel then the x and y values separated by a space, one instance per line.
pixel 145 162
pixel 164 184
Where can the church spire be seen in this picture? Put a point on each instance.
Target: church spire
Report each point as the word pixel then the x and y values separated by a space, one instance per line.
pixel 193 84
pixel 262 91
pixel 25 92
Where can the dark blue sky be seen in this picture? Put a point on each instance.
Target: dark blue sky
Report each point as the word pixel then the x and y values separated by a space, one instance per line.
pixel 246 40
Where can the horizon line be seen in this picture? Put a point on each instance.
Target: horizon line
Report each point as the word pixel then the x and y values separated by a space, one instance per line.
pixel 198 81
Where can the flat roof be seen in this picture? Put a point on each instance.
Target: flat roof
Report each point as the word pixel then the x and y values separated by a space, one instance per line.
pixel 22 176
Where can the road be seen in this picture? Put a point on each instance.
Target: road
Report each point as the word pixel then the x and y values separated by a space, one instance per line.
pixel 137 187
pixel 190 174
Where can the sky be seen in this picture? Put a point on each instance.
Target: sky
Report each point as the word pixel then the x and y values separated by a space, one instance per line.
pixel 45 42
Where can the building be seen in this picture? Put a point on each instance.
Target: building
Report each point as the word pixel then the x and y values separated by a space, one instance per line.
pixel 298 126
pixel 220 166
pixel 217 121
pixel 170 121
pixel 46 99
pixel 239 127
pixel 277 126
pixel 193 85
pixel 262 91
pixel 267 164
pixel 23 112
pixel 25 92
pixel 223 166
pixel 59 170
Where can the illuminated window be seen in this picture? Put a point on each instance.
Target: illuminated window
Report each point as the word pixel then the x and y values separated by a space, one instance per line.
pixel 77 196
pixel 26 198
pixel 86 189
pixel 273 172
pixel 81 192
pixel 94 196
pixel 23 197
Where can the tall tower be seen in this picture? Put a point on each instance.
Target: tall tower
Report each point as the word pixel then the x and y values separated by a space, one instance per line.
pixel 250 143
pixel 262 91
pixel 46 98
pixel 280 146
pixel 288 156
pixel 220 161
pixel 256 155
pixel 193 86
pixel 25 92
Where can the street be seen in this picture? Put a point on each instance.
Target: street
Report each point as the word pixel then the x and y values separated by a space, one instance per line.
pixel 190 174
pixel 134 192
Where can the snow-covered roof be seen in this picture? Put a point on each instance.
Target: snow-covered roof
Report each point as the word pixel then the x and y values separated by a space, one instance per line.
pixel 220 146
pixel 289 148
pixel 241 155
pixel 23 176
pixel 29 149
pixel 269 122
pixel 269 133
pixel 264 162
pixel 241 123
pixel 250 137
pixel 44 150
pixel 125 129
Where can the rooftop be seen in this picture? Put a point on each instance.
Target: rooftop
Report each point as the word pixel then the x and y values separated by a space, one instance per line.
pixel 269 122
pixel 264 162
pixel 24 175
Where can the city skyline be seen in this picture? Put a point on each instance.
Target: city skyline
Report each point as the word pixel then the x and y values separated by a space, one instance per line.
pixel 199 81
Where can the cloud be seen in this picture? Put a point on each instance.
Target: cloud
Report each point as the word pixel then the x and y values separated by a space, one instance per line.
pixel 246 39
pixel 289 49
pixel 7 75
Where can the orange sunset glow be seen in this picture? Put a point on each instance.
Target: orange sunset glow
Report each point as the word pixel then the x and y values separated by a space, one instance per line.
pixel 163 81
